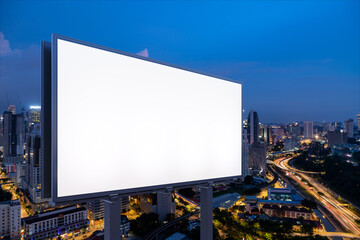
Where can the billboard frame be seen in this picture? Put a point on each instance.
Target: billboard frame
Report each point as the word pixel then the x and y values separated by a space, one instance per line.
pixel 45 119
pixel 54 128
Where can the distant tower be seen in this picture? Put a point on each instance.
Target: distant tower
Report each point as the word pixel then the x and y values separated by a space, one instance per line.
pixel 349 128
pixel 12 109
pixel 308 129
pixel 266 133
pixel 253 127
pixel 257 158
pixel 245 155
pixel 358 119
pixel 14 134
pixel 32 118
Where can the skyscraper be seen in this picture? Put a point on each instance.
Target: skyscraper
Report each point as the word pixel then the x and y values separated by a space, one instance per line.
pixel 358 119
pixel 14 136
pixel 245 155
pixel 32 179
pixel 308 129
pixel 32 117
pixel 349 128
pixel 295 131
pixel 12 109
pixel 336 137
pixel 253 127
pixel 1 131
pixel 257 158
pixel 266 134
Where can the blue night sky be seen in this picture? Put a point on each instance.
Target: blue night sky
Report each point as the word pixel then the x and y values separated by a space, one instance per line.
pixel 297 60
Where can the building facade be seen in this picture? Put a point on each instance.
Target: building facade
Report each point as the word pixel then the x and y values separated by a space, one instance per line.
pixel 291 144
pixel 96 208
pixel 55 223
pixel 10 219
pixel 245 155
pixel 13 136
pixel 266 134
pixel 336 137
pixel 349 128
pixel 257 158
pixel 286 212
pixel 253 127
pixel 308 129
pixel 32 118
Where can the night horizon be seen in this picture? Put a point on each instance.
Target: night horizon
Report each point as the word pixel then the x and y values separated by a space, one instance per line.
pixel 298 61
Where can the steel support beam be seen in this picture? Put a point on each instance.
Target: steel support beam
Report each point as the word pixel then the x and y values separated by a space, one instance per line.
pixel 206 212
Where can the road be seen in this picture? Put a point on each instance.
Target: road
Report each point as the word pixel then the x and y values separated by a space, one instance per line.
pixel 343 215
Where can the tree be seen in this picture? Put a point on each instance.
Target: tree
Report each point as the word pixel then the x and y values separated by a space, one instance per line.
pixel 248 179
pixel 306 229
pixel 308 203
pixel 4 195
pixel 195 233
pixel 145 223
pixel 252 191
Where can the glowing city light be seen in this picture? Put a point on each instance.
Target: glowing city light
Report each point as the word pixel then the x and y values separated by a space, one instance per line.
pixel 35 107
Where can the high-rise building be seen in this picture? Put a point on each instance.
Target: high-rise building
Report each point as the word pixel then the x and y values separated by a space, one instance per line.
pixel 96 208
pixel 160 203
pixel 308 129
pixel 358 122
pixel 14 136
pixel 32 179
pixel 10 220
pixel 349 128
pixel 336 137
pixel 165 204
pixel 245 155
pixel 295 131
pixel 33 117
pixel 326 127
pixel 253 127
pixel 32 176
pixel 257 158
pixel 266 134
pixel 333 126
pixel 1 133
pixel 291 144
pixel 12 109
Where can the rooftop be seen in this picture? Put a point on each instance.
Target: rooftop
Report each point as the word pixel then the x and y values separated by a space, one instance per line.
pixel 39 217
pixel 11 202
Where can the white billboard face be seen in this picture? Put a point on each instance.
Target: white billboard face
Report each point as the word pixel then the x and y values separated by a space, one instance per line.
pixel 125 123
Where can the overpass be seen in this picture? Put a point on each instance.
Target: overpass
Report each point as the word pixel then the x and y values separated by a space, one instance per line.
pixel 287 162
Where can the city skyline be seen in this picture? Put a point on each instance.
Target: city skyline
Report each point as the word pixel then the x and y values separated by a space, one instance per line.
pixel 307 69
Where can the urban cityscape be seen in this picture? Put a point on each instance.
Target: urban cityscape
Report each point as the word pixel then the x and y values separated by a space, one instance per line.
pixel 298 63
pixel 300 181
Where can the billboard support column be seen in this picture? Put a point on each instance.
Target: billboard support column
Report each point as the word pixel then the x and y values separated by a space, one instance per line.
pixel 112 218
pixel 206 212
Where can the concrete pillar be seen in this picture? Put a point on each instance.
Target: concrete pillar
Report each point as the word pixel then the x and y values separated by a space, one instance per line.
pixel 164 203
pixel 112 218
pixel 206 213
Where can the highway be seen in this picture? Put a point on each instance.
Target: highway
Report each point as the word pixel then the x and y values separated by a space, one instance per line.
pixel 343 215
pixel 333 234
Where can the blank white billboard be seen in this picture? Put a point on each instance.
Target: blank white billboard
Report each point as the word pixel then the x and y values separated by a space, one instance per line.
pixel 126 123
